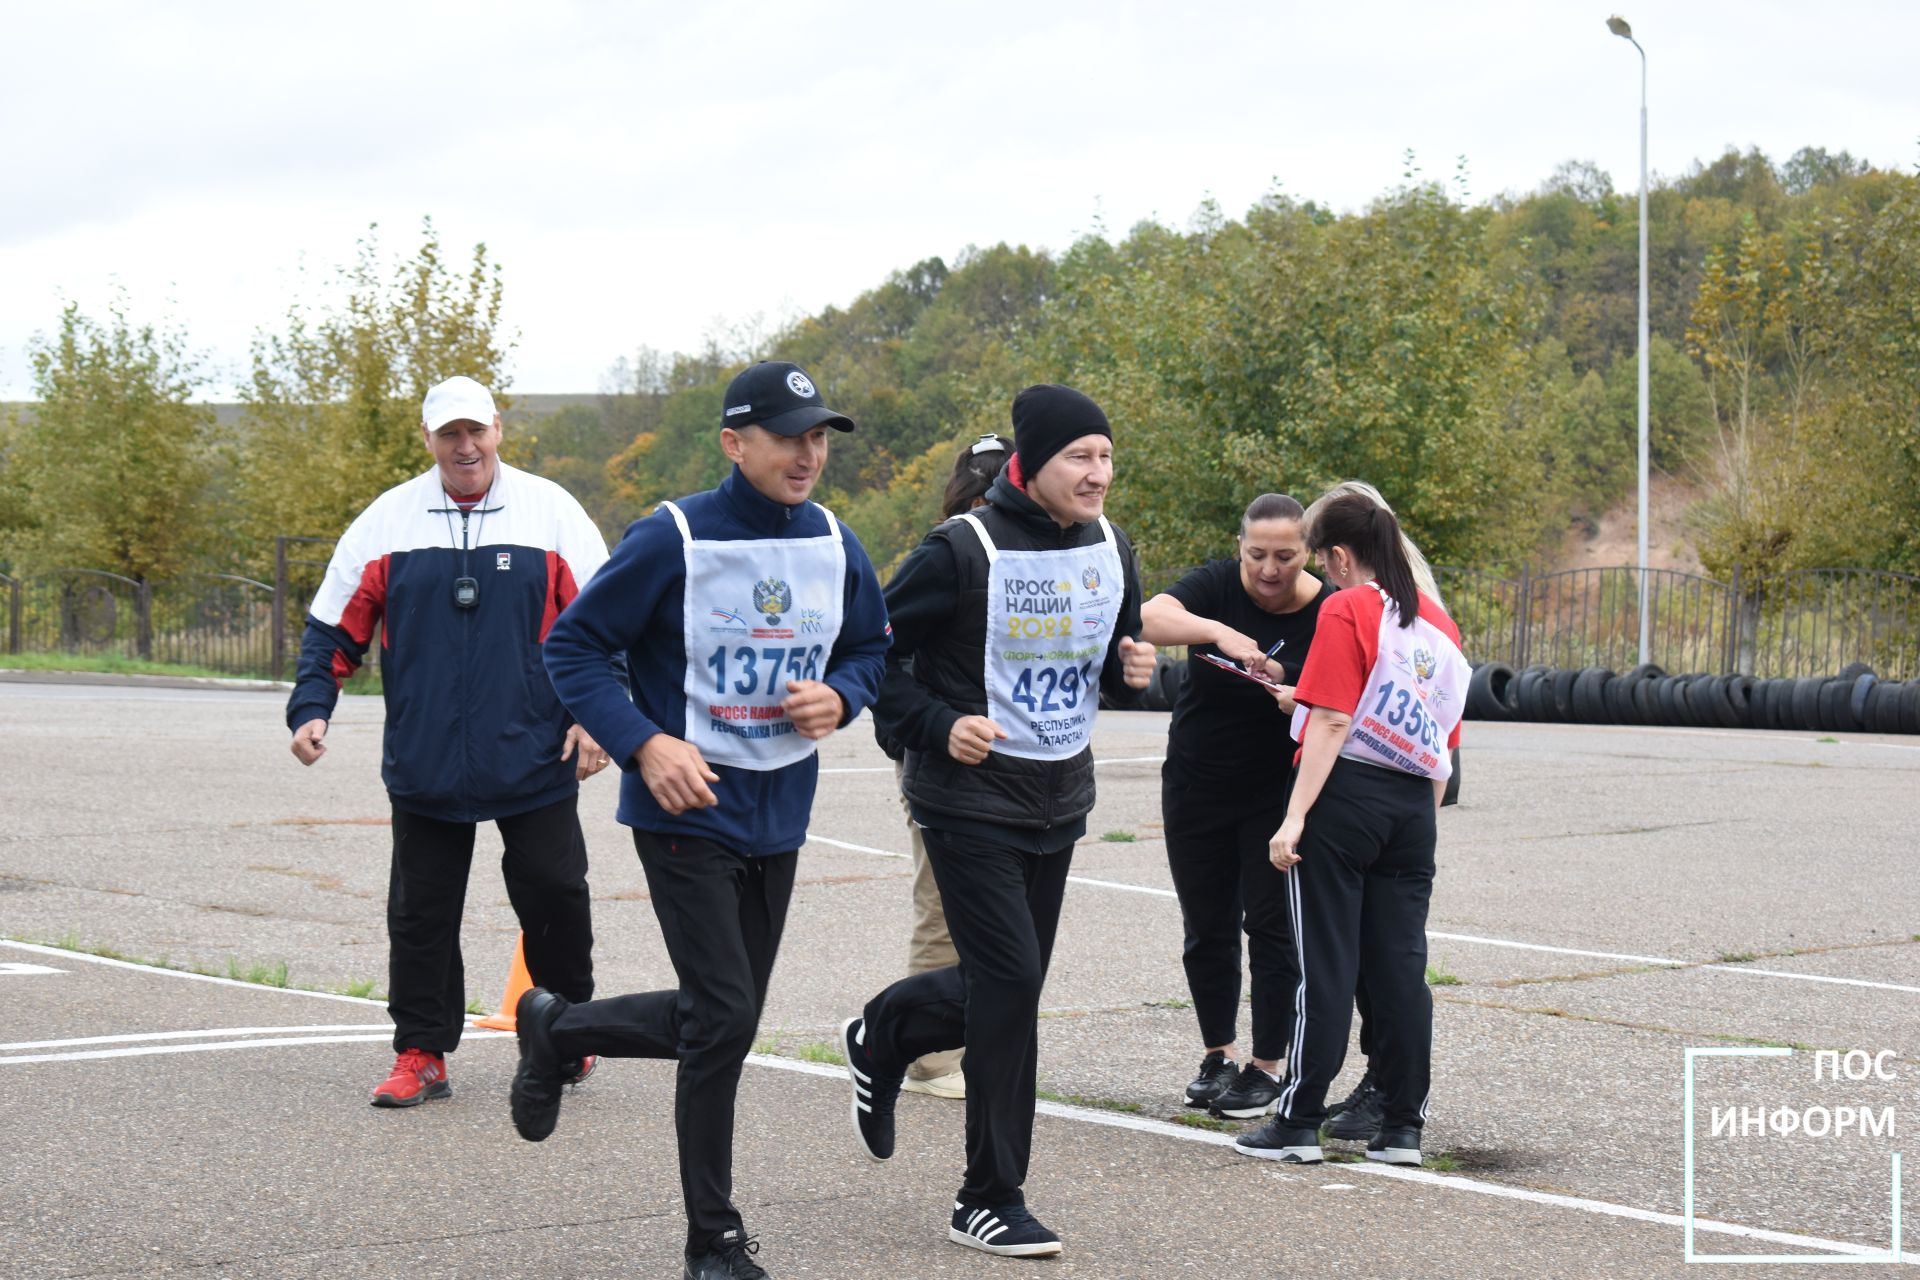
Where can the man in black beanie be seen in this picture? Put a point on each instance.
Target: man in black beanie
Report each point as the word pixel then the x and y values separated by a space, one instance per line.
pixel 1009 622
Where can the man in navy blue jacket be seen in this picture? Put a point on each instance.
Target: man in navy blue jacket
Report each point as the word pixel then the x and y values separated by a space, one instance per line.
pixel 752 627
pixel 467 564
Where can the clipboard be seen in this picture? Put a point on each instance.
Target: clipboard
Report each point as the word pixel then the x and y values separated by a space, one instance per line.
pixel 1238 670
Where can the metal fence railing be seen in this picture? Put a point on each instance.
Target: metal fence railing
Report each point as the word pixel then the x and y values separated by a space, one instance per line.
pixel 1807 623
pixel 217 621
pixel 1810 622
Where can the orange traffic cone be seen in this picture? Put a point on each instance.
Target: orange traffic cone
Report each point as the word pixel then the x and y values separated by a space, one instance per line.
pixel 518 983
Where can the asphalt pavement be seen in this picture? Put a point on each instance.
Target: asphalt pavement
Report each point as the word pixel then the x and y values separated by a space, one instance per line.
pixel 1609 900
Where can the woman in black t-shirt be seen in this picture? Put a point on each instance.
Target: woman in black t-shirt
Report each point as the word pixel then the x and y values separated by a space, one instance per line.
pixel 1224 789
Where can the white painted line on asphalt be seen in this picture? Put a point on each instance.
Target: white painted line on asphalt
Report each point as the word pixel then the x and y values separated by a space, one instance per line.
pixel 144 1051
pixel 1669 963
pixel 138 1037
pixel 39 950
pixel 1663 962
pixel 1121 885
pixel 1448 1182
pixel 811 838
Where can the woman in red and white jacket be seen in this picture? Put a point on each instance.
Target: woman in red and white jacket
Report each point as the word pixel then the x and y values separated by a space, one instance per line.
pixel 1379 706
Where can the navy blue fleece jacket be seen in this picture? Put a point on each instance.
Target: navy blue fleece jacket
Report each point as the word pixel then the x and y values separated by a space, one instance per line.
pixel 635 606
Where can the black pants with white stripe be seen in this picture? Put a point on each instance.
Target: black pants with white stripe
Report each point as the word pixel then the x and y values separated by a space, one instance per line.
pixel 1003 908
pixel 721 915
pixel 1360 893
pixel 545 867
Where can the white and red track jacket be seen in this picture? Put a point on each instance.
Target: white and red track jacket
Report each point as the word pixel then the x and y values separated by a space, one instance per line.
pixel 473 729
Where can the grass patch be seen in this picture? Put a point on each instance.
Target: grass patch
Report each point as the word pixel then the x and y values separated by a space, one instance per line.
pixel 820 1051
pixel 271 975
pixel 1441 978
pixel 1171 1002
pixel 1096 1104
pixel 117 664
pixel 1735 957
pixel 361 989
pixel 767 1048
pixel 1118 837
pixel 474 1003
pixel 1441 1162
pixel 1826 739
pixel 1193 1121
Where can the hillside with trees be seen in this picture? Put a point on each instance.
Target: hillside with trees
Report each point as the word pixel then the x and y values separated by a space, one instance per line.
pixel 1475 360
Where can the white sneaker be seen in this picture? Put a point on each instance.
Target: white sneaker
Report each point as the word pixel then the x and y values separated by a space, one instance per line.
pixel 951 1085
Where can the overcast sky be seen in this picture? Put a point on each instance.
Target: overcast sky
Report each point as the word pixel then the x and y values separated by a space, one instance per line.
pixel 645 172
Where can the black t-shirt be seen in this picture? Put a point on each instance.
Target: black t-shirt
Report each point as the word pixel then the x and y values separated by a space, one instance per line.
pixel 1225 726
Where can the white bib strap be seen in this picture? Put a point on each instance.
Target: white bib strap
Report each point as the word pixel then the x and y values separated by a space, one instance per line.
pixel 833 525
pixel 686 534
pixel 986 539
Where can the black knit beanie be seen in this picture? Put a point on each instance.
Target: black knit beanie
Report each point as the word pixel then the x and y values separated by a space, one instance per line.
pixel 1047 418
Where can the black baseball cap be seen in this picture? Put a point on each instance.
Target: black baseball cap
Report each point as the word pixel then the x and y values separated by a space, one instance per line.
pixel 780 397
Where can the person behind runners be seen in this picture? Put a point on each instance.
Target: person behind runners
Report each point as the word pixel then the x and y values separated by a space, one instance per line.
pixel 475 559
pixel 938 1075
pixel 1221 796
pixel 1015 618
pixel 753 627
pixel 1379 706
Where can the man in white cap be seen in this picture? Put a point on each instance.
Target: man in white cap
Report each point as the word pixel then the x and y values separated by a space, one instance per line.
pixel 469 563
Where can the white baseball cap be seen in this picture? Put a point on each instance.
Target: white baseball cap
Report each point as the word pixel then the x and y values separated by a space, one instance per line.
pixel 455 399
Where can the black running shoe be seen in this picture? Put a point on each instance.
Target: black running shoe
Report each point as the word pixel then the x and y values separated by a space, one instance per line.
pixel 1366 1086
pixel 874 1092
pixel 1010 1231
pixel 1253 1093
pixel 541 1077
pixel 726 1259
pixel 1395 1146
pixel 1277 1140
pixel 1358 1118
pixel 1216 1073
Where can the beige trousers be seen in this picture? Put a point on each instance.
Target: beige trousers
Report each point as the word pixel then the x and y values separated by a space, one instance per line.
pixel 931 946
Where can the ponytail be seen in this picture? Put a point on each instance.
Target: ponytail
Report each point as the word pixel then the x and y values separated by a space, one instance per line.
pixel 1369 530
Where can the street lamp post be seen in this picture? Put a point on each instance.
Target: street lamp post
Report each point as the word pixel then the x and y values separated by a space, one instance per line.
pixel 1618 25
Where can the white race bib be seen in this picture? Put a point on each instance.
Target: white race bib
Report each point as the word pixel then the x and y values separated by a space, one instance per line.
pixel 758 613
pixel 1414 697
pixel 1050 618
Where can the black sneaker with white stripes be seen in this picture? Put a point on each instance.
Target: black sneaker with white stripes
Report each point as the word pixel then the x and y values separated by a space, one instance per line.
pixel 1278 1140
pixel 874 1092
pixel 1252 1093
pixel 1216 1073
pixel 1010 1231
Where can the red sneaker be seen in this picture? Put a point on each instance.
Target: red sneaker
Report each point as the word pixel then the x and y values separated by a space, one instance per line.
pixel 417 1076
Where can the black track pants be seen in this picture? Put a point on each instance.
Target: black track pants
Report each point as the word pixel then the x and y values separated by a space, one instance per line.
pixel 1360 894
pixel 1003 907
pixel 721 915
pixel 1217 853
pixel 545 867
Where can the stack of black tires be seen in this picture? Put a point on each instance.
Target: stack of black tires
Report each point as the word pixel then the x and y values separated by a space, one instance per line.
pixel 1853 701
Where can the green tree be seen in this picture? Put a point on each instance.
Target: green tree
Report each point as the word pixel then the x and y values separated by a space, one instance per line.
pixel 110 469
pixel 333 406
